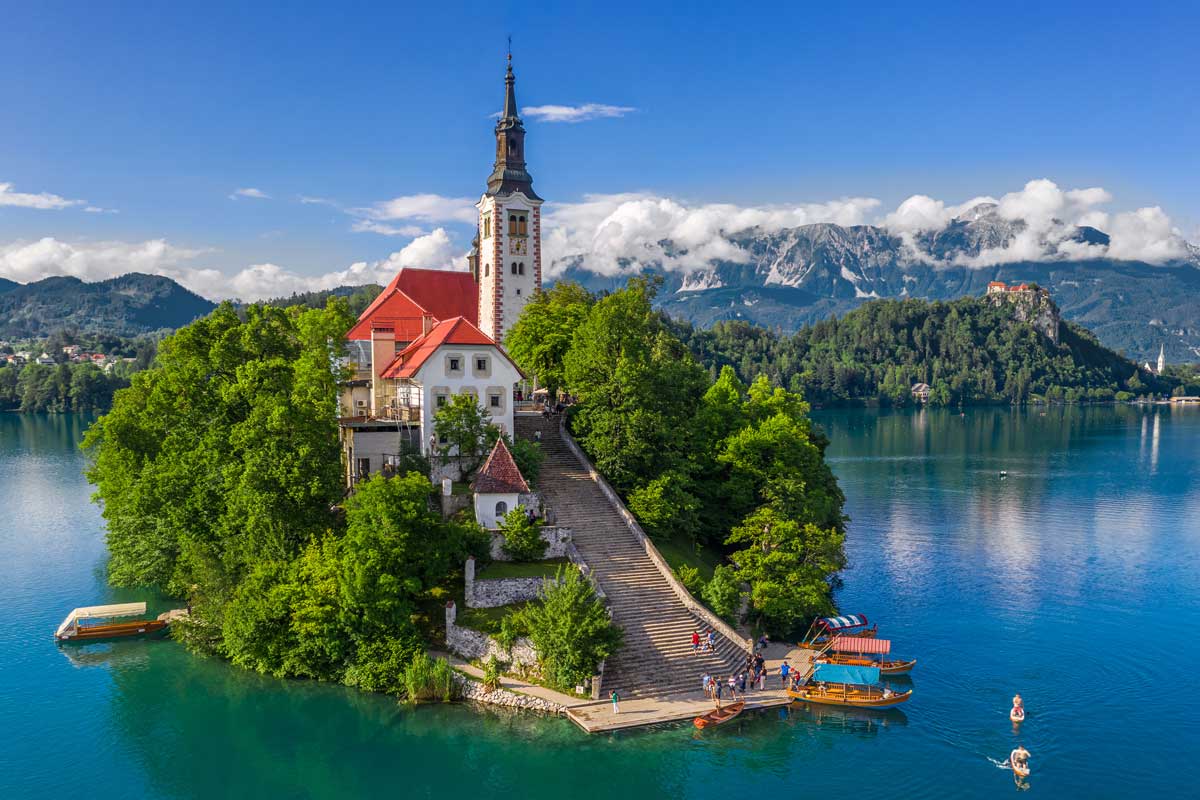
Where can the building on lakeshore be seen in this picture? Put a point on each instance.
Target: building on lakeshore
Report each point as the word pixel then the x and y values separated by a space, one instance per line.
pixel 920 392
pixel 432 333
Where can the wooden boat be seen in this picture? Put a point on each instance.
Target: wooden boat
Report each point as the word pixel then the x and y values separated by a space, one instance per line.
pixel 856 651
pixel 840 685
pixel 886 666
pixel 824 629
pixel 717 716
pixel 96 624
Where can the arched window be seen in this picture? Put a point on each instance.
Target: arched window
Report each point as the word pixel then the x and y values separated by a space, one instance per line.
pixel 501 508
pixel 521 268
pixel 512 224
pixel 514 268
pixel 521 225
pixel 486 267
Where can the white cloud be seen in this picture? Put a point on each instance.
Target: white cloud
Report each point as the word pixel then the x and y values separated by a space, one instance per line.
pixel 1049 217
pixel 251 192
pixel 310 200
pixel 433 208
pixel 371 226
pixel 639 228
pixel 581 113
pixel 94 261
pixel 43 201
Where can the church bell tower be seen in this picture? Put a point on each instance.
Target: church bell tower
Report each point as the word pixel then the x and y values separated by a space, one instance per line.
pixel 508 268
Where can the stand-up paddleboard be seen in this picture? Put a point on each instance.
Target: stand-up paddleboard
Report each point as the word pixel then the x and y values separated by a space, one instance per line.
pixel 1017 714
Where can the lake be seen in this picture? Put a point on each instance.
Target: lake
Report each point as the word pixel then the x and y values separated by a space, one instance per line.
pixel 1074 579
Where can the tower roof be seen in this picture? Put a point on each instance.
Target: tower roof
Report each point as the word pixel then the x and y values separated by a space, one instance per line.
pixel 508 173
pixel 510 94
pixel 500 474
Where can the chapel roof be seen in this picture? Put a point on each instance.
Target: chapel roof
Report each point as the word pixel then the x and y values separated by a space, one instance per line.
pixel 499 474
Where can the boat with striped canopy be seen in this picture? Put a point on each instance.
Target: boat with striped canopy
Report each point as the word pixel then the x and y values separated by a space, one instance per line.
pixel 857 651
pixel 823 629
pixel 843 685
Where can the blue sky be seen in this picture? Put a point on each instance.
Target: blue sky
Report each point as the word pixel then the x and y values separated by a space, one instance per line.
pixel 154 116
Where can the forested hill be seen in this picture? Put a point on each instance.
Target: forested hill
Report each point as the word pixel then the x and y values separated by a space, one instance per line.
pixel 128 305
pixel 970 350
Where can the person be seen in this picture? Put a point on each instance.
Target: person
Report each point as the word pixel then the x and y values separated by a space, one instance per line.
pixel 616 701
pixel 762 678
pixel 712 641
pixel 695 643
pixel 1019 758
pixel 705 680
pixel 732 686
pixel 764 641
pixel 1017 702
pixel 784 669
pixel 742 683
pixel 537 436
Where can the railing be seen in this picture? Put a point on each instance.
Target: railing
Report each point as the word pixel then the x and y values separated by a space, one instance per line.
pixel 400 414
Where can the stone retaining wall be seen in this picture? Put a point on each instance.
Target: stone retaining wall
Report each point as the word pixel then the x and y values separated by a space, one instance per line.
pixel 556 540
pixel 474 691
pixel 476 646
pixel 497 592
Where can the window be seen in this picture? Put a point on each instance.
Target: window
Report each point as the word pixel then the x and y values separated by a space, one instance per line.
pixel 512 224
pixel 494 400
pixel 364 467
pixel 455 365
pixel 481 363
pixel 439 400
pixel 518 291
pixel 486 268
pixel 521 268
pixel 501 508
pixel 521 225
pixel 487 225
pixel 514 268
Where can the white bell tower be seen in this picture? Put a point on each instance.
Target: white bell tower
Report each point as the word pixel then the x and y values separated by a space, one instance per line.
pixel 509 267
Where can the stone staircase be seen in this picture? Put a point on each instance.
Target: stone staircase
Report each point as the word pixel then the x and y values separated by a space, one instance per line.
pixel 656 658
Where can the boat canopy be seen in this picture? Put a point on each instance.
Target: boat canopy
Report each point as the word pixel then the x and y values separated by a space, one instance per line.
pixel 842 623
pixel 861 644
pixel 841 673
pixel 101 612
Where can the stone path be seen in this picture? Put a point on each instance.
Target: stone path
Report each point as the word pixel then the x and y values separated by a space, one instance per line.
pixel 656 659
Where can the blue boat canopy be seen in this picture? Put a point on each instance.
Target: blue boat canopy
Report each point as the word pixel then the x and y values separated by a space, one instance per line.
pixel 842 623
pixel 842 673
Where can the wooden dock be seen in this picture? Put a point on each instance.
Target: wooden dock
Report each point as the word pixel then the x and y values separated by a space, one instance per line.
pixel 596 716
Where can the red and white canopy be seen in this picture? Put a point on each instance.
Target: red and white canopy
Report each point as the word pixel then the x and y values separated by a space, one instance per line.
pixel 861 644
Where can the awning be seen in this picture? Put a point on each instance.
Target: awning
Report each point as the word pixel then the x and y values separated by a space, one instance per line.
pixel 840 673
pixel 861 644
pixel 842 623
pixel 101 612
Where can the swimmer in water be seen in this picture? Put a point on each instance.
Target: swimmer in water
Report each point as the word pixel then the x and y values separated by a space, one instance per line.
pixel 1019 759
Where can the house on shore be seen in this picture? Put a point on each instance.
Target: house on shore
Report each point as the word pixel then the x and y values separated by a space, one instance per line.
pixel 920 392
pixel 498 486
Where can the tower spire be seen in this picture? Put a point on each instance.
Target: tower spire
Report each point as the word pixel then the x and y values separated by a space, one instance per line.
pixel 508 172
pixel 510 91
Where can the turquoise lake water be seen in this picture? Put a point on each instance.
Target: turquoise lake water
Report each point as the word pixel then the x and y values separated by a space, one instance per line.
pixel 1074 580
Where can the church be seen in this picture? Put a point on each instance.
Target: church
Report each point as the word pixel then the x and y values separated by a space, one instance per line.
pixel 434 333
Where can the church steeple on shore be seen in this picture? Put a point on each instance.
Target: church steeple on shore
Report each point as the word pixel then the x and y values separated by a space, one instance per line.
pixel 508 172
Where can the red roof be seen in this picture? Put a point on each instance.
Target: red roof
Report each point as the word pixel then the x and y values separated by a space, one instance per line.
pixel 451 331
pixel 499 474
pixel 414 293
pixel 996 283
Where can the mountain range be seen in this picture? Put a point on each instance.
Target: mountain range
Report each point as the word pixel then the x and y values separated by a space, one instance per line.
pixel 127 305
pixel 796 276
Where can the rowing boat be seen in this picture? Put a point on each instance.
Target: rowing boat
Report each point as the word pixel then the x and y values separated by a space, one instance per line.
pixel 96 624
pixel 717 716
pixel 841 685
pixel 855 651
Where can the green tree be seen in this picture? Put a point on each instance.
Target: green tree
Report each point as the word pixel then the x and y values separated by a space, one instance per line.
pixel 570 629
pixel 463 427
pixel 723 593
pixel 522 536
pixel 542 335
pixel 789 566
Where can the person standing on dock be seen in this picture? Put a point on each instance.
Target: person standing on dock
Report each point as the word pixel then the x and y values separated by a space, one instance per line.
pixel 616 699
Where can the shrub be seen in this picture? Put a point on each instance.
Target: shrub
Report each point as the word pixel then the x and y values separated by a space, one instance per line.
pixel 522 536
pixel 690 577
pixel 381 665
pixel 512 627
pixel 428 679
pixel 491 674
pixel 724 592
pixel 570 630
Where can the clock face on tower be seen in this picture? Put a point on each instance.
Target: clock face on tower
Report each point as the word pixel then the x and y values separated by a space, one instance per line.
pixel 517 247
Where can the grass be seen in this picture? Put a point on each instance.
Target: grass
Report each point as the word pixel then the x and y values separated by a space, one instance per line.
pixel 521 569
pixel 486 620
pixel 681 550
